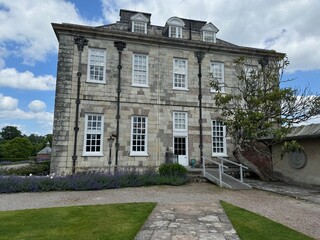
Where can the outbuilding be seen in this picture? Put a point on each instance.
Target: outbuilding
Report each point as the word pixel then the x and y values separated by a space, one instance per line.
pixel 299 166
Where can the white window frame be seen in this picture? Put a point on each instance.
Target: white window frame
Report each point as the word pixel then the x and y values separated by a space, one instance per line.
pixel 209 36
pixel 175 31
pixel 180 118
pixel 100 53
pixel 250 67
pixel 134 131
pixel 137 26
pixel 140 69
pixel 218 139
pixel 218 72
pixel 93 127
pixel 182 72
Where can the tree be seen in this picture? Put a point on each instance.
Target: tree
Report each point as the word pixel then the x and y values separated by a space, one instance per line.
pixel 258 112
pixel 18 147
pixel 9 133
pixel 38 142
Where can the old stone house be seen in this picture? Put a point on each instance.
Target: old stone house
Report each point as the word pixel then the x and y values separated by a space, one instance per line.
pixel 146 87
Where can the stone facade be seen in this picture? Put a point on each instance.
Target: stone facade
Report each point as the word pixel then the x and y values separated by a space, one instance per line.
pixel 157 101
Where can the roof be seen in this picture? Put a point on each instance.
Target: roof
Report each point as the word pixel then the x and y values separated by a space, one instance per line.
pixel 305 131
pixel 125 15
pixel 46 150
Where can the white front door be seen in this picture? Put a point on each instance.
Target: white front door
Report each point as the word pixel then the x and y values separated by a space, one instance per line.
pixel 180 149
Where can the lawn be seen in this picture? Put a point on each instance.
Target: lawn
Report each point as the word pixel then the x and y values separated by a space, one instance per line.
pixel 114 221
pixel 251 226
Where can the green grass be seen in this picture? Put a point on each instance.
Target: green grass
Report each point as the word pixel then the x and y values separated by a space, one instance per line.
pixel 114 221
pixel 251 226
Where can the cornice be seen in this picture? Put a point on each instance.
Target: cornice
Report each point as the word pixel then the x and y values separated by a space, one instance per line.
pixel 129 37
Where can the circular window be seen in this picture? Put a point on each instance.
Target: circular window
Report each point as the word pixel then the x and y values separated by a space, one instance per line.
pixel 298 159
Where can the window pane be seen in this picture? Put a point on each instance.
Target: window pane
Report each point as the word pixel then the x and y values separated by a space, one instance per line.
pixel 180 73
pixel 96 64
pixel 139 27
pixel 208 36
pixel 217 70
pixel 138 135
pixel 218 137
pixel 180 146
pixel 180 121
pixel 140 72
pixel 175 32
pixel 94 131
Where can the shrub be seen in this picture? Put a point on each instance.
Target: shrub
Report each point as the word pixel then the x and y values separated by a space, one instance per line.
pixel 39 169
pixel 172 169
pixel 87 181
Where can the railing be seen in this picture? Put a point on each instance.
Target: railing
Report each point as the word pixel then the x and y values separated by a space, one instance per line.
pixel 220 166
pixel 222 160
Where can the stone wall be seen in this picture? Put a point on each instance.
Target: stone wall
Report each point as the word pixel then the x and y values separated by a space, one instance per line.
pixel 308 174
pixel 158 101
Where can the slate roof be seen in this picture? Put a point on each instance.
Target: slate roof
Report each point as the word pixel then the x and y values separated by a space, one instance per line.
pixel 305 131
pixel 46 150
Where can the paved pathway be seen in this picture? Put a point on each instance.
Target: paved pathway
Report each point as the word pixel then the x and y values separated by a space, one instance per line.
pixel 193 209
pixel 188 221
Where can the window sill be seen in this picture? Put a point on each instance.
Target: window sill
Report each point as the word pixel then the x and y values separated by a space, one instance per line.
pixel 92 155
pixel 96 82
pixel 140 86
pixel 138 155
pixel 181 89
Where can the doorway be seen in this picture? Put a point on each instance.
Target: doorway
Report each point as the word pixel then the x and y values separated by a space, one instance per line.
pixel 180 149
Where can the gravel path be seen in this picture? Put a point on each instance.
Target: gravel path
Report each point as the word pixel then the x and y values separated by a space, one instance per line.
pixel 297 214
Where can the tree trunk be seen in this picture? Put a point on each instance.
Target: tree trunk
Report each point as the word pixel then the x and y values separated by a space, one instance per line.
pixel 262 173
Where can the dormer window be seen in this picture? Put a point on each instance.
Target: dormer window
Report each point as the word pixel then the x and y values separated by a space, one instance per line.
pixel 175 32
pixel 139 27
pixel 209 36
pixel 174 26
pixel 209 32
pixel 139 23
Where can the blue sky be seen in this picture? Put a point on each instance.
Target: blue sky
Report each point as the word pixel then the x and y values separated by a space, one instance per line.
pixel 28 46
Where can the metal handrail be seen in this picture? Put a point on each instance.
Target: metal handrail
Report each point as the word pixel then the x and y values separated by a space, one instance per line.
pixel 234 163
pixel 220 166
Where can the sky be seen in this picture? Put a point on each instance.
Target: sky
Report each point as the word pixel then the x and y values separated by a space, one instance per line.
pixel 29 47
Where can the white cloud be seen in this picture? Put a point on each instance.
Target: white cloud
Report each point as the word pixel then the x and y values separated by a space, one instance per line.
pixel 18 126
pixel 269 24
pixel 9 110
pixel 27 24
pixel 37 106
pixel 273 24
pixel 10 77
pixel 7 103
pixel 14 112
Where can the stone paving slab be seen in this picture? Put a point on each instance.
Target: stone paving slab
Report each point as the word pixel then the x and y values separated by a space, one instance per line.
pixel 298 191
pixel 188 221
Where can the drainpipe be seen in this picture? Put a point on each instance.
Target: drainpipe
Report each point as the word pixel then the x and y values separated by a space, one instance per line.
pixel 190 36
pixel 200 55
pixel 120 46
pixel 80 42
